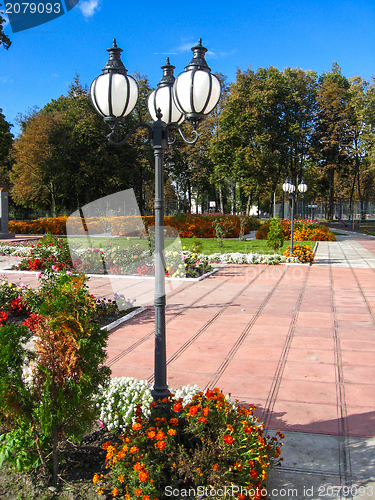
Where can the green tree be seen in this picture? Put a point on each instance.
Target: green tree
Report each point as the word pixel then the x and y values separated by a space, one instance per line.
pixel 334 129
pixel 6 141
pixel 4 39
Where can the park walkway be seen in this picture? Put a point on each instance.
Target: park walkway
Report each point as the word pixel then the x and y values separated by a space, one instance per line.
pixel 297 341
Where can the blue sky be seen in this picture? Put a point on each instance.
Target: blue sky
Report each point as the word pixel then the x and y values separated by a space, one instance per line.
pixel 43 61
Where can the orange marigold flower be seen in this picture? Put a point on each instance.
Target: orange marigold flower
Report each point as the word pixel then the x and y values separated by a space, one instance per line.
pixel 252 463
pixel 146 497
pixel 115 492
pixel 95 479
pixel 248 430
pixel 238 466
pixel 230 428
pixel 160 436
pixel 173 421
pixel 105 445
pixel 202 419
pixel 241 497
pixel 127 440
pixel 127 496
pixel 177 407
pixel 138 466
pixel 164 400
pixel 264 475
pixel 121 455
pixel 138 492
pixel 153 404
pixel 137 427
pixel 133 450
pixel 172 432
pixel 206 411
pixel 193 410
pixel 100 491
pixel 151 434
pixel 215 467
pixel 121 478
pixel 143 475
pixel 228 439
pixel 160 445
pixel 253 474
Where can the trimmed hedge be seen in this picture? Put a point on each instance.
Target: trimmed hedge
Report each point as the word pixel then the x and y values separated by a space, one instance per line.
pixel 188 225
pixel 304 230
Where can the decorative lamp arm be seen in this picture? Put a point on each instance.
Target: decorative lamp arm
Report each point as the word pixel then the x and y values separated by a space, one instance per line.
pixel 131 132
pixel 172 127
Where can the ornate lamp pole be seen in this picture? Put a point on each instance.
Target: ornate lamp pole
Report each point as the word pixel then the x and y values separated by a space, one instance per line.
pixel 191 96
pixel 289 187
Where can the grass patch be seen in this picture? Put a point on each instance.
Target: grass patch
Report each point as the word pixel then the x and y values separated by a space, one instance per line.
pixel 209 245
pixel 232 245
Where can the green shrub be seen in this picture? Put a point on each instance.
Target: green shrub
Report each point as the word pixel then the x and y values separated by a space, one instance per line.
pixel 275 237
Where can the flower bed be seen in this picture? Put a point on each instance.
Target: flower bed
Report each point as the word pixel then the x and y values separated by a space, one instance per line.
pixel 303 230
pixel 302 252
pixel 19 304
pixel 187 225
pixel 193 441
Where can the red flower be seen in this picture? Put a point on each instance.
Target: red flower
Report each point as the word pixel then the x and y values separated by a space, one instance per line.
pixel 228 439
pixel 177 407
pixel 193 410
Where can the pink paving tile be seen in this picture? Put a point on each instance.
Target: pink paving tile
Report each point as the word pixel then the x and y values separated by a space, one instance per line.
pixel 350 334
pixel 249 389
pixel 187 362
pixel 314 322
pixel 312 371
pixel 265 339
pixel 306 391
pixel 251 368
pixel 313 331
pixel 354 316
pixel 254 351
pixel 304 417
pixel 312 356
pixel 357 345
pixel 119 370
pixel 361 421
pixel 360 374
pixel 312 342
pixel 135 359
pixel 354 358
pixel 360 395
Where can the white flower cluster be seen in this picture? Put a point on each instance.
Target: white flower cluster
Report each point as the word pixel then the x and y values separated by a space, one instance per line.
pixel 118 401
pixel 249 258
pixel 15 250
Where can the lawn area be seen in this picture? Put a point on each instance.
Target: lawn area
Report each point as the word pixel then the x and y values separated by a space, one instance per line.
pixel 209 245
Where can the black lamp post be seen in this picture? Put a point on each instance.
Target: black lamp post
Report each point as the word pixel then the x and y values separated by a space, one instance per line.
pixel 289 187
pixel 191 96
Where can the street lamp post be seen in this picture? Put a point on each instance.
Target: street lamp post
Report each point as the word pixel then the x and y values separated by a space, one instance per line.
pixel 191 96
pixel 290 188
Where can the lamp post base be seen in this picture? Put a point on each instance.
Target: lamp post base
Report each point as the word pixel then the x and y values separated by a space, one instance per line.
pixel 7 236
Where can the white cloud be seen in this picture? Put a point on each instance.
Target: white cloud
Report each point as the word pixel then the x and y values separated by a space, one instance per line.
pixel 89 7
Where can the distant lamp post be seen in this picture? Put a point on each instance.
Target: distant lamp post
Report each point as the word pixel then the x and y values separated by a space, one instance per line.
pixel 290 188
pixel 191 96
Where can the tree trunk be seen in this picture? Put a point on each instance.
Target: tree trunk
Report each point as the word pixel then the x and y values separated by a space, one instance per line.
pixel 331 206
pixel 189 195
pixel 248 205
pixel 221 200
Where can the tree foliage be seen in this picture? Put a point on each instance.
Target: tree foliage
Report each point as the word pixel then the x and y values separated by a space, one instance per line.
pixel 4 39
